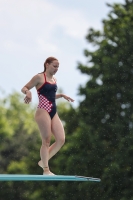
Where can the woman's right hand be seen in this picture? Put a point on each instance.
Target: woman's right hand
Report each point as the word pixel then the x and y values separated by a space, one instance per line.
pixel 28 97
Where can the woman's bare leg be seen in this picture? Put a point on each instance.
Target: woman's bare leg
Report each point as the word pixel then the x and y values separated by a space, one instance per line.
pixel 44 123
pixel 58 132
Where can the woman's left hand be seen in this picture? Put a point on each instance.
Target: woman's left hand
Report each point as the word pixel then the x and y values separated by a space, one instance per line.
pixel 67 98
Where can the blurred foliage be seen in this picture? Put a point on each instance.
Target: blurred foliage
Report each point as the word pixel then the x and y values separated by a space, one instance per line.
pixel 99 132
pixel 101 143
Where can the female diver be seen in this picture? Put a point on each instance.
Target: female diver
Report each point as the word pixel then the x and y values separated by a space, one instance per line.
pixel 46 116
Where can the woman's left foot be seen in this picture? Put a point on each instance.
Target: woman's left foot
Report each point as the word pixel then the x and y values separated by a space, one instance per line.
pixel 47 173
pixel 40 164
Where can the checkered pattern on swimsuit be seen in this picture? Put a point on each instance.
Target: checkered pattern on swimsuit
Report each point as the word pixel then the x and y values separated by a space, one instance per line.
pixel 45 103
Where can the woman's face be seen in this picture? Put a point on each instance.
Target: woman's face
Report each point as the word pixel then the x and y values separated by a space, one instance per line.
pixel 52 68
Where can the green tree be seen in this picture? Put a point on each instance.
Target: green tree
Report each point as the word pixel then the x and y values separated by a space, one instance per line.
pixel 102 144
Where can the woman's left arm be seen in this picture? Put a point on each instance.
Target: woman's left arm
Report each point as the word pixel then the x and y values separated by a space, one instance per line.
pixel 64 96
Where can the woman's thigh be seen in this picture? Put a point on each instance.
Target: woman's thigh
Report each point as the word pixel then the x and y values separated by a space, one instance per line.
pixel 43 121
pixel 57 128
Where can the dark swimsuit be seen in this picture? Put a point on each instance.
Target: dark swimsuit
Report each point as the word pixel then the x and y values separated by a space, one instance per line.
pixel 46 95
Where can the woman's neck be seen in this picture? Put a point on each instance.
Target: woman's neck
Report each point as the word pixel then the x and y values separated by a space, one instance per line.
pixel 49 76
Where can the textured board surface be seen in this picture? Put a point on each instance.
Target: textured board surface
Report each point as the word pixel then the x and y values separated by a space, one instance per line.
pixel 25 177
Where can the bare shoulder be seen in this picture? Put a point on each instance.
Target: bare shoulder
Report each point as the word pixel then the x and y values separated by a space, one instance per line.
pixel 37 78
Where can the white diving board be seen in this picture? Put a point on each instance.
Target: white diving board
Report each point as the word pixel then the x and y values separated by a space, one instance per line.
pixel 25 177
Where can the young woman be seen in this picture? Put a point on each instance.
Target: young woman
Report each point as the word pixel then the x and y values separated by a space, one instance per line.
pixel 46 116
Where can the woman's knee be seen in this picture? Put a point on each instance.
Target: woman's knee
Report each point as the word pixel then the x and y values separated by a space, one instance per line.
pixel 61 141
pixel 46 142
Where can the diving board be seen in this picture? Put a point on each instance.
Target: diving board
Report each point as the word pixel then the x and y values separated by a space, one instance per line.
pixel 25 177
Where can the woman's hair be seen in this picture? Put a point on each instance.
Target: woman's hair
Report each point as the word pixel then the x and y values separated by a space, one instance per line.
pixel 49 60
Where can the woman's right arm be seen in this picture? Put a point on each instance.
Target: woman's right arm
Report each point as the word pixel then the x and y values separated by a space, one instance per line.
pixel 26 89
